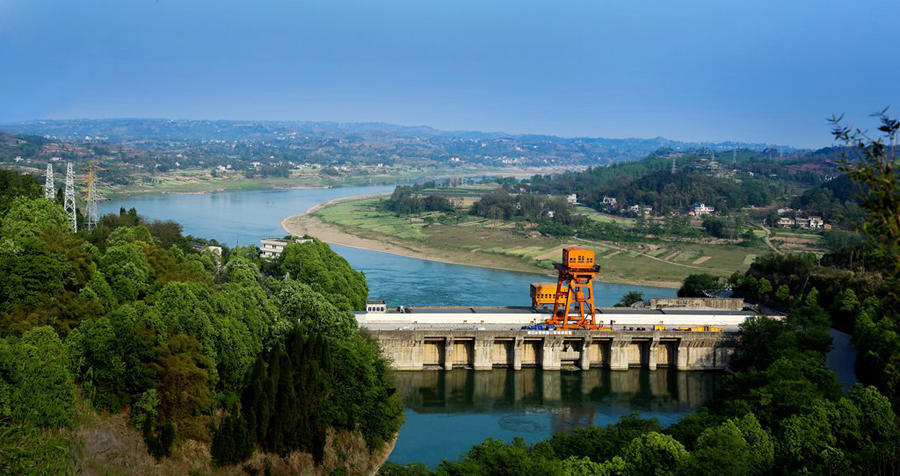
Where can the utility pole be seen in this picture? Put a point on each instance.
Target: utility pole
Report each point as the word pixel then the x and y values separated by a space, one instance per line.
pixel 91 221
pixel 49 188
pixel 70 197
pixel 734 157
pixel 673 164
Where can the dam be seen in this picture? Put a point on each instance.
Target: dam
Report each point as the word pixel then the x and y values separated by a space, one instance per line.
pixel 489 337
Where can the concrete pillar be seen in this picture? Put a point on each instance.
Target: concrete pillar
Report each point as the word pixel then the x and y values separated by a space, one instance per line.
pixel 483 348
pixel 681 355
pixel 550 353
pixel 653 353
pixel 517 353
pixel 585 361
pixel 448 353
pixel 618 353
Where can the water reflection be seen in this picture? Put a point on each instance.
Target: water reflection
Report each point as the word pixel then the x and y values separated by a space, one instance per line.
pixel 449 411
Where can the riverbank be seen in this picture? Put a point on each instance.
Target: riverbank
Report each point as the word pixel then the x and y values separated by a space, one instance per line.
pixel 308 224
pixel 203 181
pixel 434 245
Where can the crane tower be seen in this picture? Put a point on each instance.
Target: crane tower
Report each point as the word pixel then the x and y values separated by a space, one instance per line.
pixel 49 188
pixel 575 290
pixel 70 197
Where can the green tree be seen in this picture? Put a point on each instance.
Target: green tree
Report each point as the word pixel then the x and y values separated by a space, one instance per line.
pixel 876 169
pixel 127 270
pixel 764 287
pixel 38 387
pixel 314 263
pixel 631 297
pixel 302 304
pixel 700 285
pixel 783 294
pixel 28 218
pixel 737 446
pixel 654 453
pixel 182 376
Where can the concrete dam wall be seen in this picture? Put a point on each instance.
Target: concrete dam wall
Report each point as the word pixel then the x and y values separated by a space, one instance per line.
pixel 483 349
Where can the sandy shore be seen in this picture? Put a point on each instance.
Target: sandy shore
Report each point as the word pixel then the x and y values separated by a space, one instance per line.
pixel 307 224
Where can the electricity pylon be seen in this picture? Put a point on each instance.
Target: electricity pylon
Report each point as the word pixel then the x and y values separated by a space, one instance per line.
pixel 70 197
pixel 91 218
pixel 49 188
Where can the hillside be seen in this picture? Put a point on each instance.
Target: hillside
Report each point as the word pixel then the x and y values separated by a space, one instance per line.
pixel 328 142
pixel 741 178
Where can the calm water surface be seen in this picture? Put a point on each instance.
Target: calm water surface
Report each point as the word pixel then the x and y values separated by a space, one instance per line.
pixel 449 411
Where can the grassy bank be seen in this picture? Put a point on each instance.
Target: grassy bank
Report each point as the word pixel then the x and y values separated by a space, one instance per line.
pixel 500 244
pixel 202 181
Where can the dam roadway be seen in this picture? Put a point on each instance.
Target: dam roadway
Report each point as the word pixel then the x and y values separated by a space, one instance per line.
pixel 484 338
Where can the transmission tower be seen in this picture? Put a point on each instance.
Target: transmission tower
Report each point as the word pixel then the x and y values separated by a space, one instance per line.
pixel 49 188
pixel 91 220
pixel 673 165
pixel 734 157
pixel 70 197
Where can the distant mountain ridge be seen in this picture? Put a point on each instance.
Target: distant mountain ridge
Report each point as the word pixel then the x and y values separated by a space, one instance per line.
pixel 130 130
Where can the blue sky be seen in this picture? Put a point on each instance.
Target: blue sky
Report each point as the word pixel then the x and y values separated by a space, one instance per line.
pixel 767 71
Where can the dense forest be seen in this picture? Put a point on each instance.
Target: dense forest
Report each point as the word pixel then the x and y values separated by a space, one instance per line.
pixel 189 342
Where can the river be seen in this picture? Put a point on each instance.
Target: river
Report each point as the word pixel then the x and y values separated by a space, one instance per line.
pixel 449 411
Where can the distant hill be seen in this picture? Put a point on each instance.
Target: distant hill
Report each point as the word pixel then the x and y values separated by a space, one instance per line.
pixel 372 141
pixel 727 182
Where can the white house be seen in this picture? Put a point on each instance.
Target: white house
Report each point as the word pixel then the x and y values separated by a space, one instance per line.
pixel 572 199
pixel 816 223
pixel 272 247
pixel 785 222
pixel 610 201
pixel 700 209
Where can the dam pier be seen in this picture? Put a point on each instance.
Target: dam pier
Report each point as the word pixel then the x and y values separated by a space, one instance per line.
pixel 486 349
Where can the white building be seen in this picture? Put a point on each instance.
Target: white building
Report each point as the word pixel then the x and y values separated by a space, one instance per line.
pixel 785 222
pixel 572 199
pixel 816 223
pixel 272 247
pixel 610 201
pixel 700 209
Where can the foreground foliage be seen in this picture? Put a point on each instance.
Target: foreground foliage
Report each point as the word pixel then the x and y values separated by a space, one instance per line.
pixel 139 318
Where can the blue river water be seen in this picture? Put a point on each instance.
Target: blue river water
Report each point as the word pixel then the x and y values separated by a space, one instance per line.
pixel 242 218
pixel 449 411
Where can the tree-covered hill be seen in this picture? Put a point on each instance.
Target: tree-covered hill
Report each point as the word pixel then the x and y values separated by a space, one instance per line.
pixel 728 182
pixel 191 345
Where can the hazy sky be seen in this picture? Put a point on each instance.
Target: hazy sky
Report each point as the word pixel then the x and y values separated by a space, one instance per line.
pixel 768 71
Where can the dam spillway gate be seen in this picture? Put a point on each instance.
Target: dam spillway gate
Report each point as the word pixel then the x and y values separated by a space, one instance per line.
pixel 481 349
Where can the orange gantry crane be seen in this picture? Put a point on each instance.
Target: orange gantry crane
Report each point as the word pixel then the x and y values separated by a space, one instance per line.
pixel 575 290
